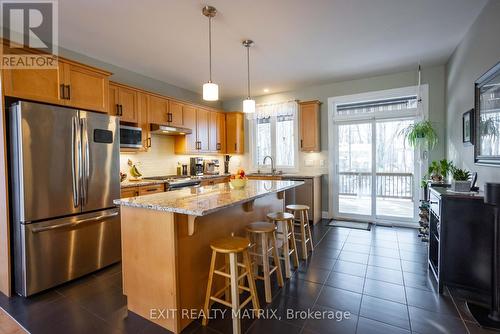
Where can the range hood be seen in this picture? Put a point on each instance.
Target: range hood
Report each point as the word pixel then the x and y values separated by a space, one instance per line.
pixel 169 130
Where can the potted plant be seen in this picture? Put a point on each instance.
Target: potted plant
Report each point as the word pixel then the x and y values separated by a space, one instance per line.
pixel 438 170
pixel 420 134
pixel 461 180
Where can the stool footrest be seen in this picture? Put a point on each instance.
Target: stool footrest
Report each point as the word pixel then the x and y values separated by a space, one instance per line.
pixel 245 302
pixel 223 302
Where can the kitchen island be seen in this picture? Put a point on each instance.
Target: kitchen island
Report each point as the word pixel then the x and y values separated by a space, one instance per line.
pixel 166 243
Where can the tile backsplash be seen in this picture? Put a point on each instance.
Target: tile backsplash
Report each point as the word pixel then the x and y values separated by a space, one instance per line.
pixel 161 159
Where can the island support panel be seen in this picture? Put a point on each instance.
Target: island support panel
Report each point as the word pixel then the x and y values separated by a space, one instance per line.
pixel 166 268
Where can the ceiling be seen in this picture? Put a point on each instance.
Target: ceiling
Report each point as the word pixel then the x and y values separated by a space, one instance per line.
pixel 297 42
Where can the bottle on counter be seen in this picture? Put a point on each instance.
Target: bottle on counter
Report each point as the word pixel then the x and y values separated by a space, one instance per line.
pixel 179 169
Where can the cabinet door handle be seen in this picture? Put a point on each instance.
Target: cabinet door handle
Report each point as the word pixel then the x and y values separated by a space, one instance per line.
pixel 68 95
pixel 169 117
pixel 148 142
pixel 218 147
pixel 235 147
pixel 117 109
pixel 61 92
pixel 301 143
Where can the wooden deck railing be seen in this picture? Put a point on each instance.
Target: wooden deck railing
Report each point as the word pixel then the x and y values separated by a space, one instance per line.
pixel 389 185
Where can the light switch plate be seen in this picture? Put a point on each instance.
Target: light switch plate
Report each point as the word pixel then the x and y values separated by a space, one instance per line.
pixel 322 163
pixel 308 163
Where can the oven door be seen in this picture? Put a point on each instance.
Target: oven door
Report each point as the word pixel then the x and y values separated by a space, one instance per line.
pixel 130 137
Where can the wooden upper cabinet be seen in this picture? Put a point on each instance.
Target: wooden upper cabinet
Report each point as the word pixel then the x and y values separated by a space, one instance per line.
pixel 202 129
pixel 123 102
pixel 217 132
pixel 71 84
pixel 158 110
pixel 37 85
pixel 127 98
pixel 88 88
pixel 187 143
pixel 175 113
pixel 221 132
pixel 235 133
pixel 143 119
pixel 212 131
pixel 309 123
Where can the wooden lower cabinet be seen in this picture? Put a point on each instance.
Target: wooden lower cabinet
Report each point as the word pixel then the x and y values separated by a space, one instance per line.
pixel 213 181
pixel 142 190
pixel 264 177
pixel 152 189
pixel 129 192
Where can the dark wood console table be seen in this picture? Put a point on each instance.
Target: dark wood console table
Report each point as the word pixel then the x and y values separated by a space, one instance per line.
pixel 460 240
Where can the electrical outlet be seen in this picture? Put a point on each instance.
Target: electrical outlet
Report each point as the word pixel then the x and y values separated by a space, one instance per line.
pixel 308 163
pixel 322 163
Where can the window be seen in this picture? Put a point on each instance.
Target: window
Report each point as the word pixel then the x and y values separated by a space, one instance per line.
pixel 274 133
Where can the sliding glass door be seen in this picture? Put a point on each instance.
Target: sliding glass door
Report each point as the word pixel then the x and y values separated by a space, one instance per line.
pixel 375 171
pixel 355 141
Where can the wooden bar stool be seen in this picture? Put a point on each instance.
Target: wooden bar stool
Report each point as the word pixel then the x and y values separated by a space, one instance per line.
pixel 266 232
pixel 285 233
pixel 231 246
pixel 303 223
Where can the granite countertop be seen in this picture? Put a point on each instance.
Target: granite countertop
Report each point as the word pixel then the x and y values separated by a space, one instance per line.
pixel 128 183
pixel 202 201
pixel 287 175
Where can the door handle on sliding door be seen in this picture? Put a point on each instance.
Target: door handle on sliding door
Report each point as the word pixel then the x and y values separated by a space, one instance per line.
pixel 85 162
pixel 75 160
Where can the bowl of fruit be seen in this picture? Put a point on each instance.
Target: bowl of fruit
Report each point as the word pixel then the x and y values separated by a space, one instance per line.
pixel 238 180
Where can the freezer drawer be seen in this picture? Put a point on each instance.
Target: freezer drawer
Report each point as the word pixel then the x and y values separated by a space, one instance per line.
pixel 56 251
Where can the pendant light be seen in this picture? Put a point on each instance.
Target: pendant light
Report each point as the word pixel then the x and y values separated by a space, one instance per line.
pixel 210 89
pixel 248 103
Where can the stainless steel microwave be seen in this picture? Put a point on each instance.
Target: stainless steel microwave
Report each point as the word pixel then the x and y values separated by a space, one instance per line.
pixel 130 137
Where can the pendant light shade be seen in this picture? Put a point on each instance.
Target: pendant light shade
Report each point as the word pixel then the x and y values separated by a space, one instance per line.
pixel 210 89
pixel 248 106
pixel 248 103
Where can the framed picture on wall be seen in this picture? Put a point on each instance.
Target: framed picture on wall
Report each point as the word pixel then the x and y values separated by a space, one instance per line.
pixel 468 127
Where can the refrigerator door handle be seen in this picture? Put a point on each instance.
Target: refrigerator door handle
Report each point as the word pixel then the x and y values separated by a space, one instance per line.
pixel 75 161
pixel 73 224
pixel 86 162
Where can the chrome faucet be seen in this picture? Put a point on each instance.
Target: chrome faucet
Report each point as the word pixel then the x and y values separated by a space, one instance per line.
pixel 273 170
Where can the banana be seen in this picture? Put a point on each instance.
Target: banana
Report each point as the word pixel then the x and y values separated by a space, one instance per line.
pixel 135 172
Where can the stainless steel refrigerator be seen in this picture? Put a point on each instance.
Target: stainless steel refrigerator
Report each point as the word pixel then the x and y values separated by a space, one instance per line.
pixel 64 177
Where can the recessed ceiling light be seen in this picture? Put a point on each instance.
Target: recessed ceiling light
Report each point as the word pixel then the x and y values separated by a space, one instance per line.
pixel 266 90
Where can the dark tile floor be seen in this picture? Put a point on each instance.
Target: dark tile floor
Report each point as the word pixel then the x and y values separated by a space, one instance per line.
pixel 379 276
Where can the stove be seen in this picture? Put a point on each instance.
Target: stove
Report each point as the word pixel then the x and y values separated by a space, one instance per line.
pixel 176 181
